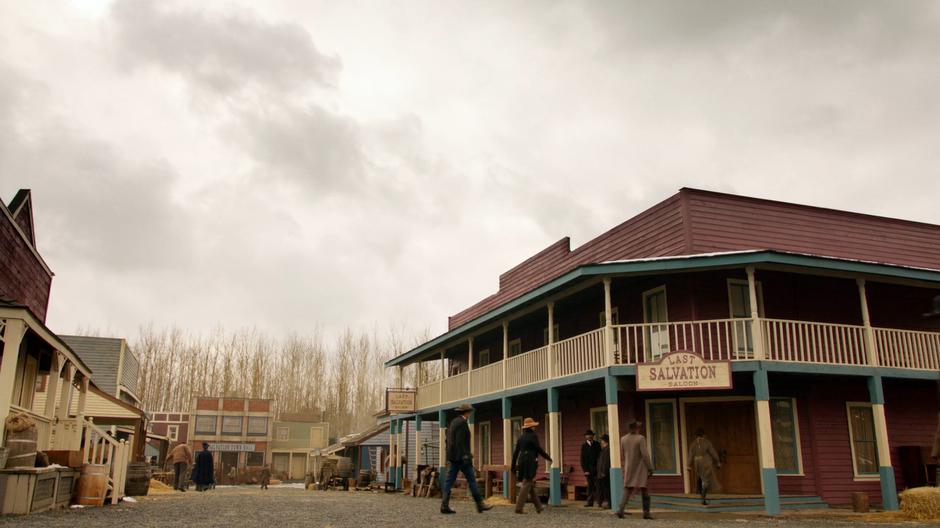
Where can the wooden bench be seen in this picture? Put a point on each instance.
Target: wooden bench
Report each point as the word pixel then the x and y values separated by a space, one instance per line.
pixel 492 476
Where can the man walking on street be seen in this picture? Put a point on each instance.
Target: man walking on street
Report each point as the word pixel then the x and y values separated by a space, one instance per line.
pixel 265 477
pixel 461 460
pixel 603 472
pixel 181 457
pixel 637 468
pixel 204 472
pixel 590 451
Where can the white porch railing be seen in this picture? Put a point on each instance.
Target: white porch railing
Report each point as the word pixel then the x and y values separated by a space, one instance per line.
pixel 530 367
pixel 428 395
pixel 487 379
pixel 580 353
pixel 102 448
pixel 803 342
pixel 719 339
pixel 454 388
pixel 908 349
pixel 43 427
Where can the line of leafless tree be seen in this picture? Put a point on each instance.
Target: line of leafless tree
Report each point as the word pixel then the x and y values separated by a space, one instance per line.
pixel 341 379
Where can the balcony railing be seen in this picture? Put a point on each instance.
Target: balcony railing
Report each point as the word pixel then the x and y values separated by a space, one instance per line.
pixel 719 339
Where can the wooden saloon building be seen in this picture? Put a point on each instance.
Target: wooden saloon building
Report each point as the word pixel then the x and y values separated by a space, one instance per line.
pixel 797 337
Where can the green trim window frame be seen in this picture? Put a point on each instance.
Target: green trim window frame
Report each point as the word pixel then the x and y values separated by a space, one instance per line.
pixel 862 439
pixel 785 429
pixel 662 434
pixel 599 422
pixel 484 443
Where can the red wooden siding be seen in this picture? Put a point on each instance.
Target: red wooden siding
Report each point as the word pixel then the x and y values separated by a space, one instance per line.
pixel 22 276
pixel 695 221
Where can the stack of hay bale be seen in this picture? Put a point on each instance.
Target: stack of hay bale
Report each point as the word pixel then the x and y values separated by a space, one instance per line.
pixel 922 504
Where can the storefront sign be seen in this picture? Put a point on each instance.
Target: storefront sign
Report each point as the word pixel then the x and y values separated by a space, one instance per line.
pixel 230 447
pixel 683 371
pixel 399 401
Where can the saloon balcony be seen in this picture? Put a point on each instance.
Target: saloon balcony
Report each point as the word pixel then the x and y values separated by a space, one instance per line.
pixel 811 315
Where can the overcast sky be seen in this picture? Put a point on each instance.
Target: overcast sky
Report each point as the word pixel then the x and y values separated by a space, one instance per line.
pixel 293 164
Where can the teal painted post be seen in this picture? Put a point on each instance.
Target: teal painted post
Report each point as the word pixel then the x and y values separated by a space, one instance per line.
pixel 613 430
pixel 889 490
pixel 398 430
pixel 507 441
pixel 418 458
pixel 442 447
pixel 554 442
pixel 766 443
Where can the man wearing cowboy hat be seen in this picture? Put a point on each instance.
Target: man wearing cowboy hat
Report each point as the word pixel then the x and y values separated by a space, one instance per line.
pixel 590 451
pixel 461 459
pixel 525 464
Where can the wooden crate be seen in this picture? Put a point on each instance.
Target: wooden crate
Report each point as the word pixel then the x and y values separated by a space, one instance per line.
pixel 66 458
pixel 65 488
pixel 27 490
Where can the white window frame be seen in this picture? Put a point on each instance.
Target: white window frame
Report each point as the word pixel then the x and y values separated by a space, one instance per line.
pixel 515 344
pixel 173 432
pixel 513 420
pixel 593 411
pixel 798 445
pixel 277 433
pixel 614 317
pixel 675 434
pixel 489 442
pixel 760 297
pixel 648 333
pixel 848 423
pixel 545 334
pixel 485 353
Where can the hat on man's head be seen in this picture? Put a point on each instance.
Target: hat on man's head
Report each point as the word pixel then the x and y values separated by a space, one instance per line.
pixel 605 437
pixel 205 445
pixel 464 408
pixel 529 423
pixel 589 433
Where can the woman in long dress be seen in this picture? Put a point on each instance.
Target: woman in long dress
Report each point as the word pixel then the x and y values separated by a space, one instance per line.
pixel 525 464
pixel 704 460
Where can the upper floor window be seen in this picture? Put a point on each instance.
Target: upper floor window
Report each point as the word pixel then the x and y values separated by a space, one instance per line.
pixel 484 357
pixel 231 425
pixel 173 432
pixel 515 347
pixel 258 425
pixel 206 424
pixel 282 434
pixel 554 334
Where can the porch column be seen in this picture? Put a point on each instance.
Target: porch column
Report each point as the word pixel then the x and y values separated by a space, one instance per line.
pixel 608 324
pixel 756 330
pixel 400 445
pixel 82 397
pixel 507 443
pixel 13 332
pixel 765 444
pixel 442 446
pixel 554 446
pixel 505 350
pixel 440 390
pixel 613 430
pixel 551 340
pixel 392 469
pixel 414 463
pixel 889 492
pixel 866 322
pixel 472 424
pixel 470 376
pixel 65 399
pixel 52 387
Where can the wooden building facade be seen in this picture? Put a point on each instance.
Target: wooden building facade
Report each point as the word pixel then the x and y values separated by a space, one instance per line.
pixel 819 318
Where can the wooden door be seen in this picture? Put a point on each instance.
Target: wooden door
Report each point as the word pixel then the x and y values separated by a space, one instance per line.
pixel 731 428
pixel 297 466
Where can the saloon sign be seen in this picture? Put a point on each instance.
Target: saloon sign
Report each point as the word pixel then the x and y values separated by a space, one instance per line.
pixel 398 401
pixel 683 371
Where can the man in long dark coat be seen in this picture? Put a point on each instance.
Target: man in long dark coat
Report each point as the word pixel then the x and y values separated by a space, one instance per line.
pixel 461 460
pixel 204 472
pixel 525 464
pixel 637 469
pixel 590 451
pixel 603 472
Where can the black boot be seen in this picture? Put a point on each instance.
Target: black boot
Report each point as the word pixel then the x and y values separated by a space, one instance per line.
pixel 445 504
pixel 646 507
pixel 481 505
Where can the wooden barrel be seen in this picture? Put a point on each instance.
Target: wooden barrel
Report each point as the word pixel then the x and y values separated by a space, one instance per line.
pixel 138 479
pixel 92 485
pixel 344 467
pixel 22 448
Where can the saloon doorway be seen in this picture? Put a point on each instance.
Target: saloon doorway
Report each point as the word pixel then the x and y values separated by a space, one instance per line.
pixel 730 425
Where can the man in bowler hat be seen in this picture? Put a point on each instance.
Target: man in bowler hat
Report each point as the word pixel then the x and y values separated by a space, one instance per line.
pixel 461 460
pixel 590 451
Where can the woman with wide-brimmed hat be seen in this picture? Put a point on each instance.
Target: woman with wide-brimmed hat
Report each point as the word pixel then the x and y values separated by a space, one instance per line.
pixel 525 464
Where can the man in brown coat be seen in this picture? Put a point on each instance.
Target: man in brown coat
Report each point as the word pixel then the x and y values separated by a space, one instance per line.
pixel 637 468
pixel 181 457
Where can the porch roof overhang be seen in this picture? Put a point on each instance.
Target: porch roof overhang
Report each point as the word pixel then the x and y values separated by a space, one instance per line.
pixel 673 264
pixel 14 310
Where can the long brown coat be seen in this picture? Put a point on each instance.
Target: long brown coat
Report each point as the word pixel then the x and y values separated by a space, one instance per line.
pixel 703 458
pixel 636 460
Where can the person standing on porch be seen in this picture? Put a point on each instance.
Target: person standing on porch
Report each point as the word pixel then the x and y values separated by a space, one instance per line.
pixel 525 463
pixel 181 457
pixel 603 472
pixel 703 459
pixel 204 472
pixel 637 469
pixel 590 451
pixel 461 460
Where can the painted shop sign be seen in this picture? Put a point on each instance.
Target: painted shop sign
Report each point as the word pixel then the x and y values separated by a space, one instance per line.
pixel 231 447
pixel 400 401
pixel 683 371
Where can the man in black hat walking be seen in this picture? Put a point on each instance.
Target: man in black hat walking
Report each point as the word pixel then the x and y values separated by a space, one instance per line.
pixel 590 451
pixel 461 460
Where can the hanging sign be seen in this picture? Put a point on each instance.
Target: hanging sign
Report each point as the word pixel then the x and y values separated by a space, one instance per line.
pixel 400 401
pixel 215 446
pixel 683 370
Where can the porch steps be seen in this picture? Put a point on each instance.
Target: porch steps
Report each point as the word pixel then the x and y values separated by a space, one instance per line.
pixel 728 503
